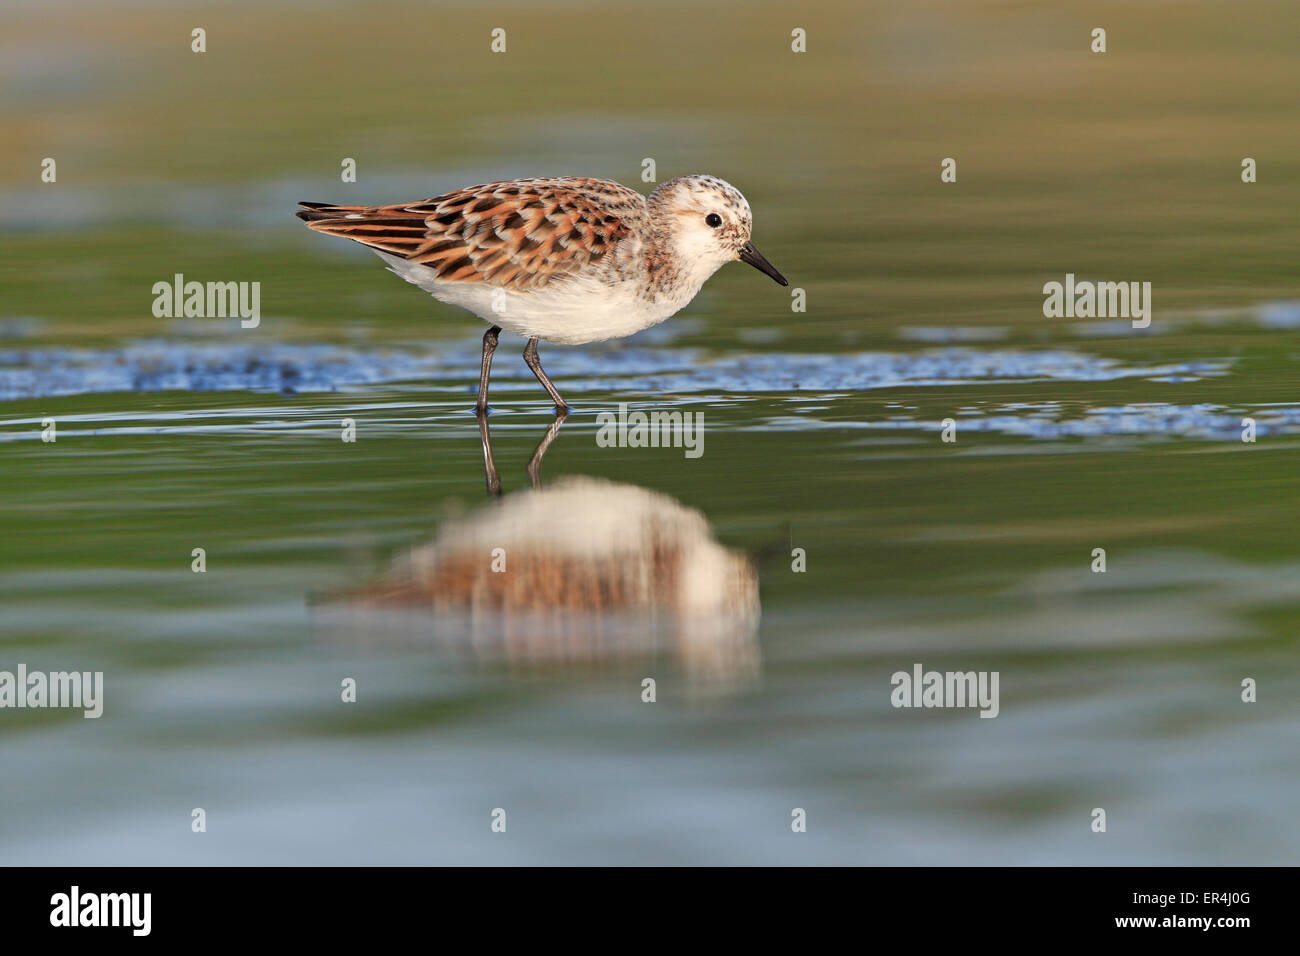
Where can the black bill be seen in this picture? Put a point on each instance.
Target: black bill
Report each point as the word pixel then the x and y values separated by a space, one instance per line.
pixel 756 259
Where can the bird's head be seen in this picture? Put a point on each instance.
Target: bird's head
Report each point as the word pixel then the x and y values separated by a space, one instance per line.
pixel 707 223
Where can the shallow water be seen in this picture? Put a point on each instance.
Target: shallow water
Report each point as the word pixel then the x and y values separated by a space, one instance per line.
pixel 823 431
pixel 1118 689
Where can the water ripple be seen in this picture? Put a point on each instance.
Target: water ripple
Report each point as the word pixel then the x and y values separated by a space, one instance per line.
pixel 158 365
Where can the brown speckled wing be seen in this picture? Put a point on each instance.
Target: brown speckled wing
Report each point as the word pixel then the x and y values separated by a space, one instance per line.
pixel 519 235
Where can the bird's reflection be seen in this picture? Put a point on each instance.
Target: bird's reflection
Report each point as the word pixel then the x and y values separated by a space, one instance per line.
pixel 578 576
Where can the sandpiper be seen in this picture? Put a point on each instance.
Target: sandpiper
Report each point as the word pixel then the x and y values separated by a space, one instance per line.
pixel 568 260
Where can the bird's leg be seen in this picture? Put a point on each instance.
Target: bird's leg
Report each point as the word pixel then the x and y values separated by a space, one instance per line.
pixel 535 463
pixel 534 363
pixel 489 346
pixel 489 466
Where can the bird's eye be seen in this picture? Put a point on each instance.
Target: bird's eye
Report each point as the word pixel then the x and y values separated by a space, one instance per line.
pixel 713 219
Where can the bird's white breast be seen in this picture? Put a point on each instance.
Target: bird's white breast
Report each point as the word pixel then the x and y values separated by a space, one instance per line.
pixel 577 310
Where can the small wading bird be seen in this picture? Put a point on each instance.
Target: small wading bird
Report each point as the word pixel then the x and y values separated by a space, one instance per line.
pixel 566 260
